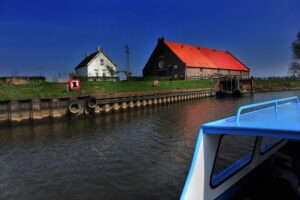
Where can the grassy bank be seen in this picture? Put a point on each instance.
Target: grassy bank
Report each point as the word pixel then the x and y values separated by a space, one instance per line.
pixel 60 90
pixel 269 85
pixel 45 89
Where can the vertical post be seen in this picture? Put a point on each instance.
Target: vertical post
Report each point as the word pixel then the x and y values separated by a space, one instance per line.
pixel 251 84
pixel 276 109
pixel 230 84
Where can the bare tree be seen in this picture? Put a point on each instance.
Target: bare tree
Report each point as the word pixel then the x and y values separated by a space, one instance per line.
pixel 55 78
pixel 296 47
pixel 71 75
pixel 40 70
pixel 294 69
pixel 15 72
pixel 110 70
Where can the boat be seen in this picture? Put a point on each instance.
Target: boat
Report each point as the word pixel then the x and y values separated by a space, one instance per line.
pixel 227 150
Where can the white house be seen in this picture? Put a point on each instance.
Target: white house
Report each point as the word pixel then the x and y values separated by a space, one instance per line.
pixel 97 64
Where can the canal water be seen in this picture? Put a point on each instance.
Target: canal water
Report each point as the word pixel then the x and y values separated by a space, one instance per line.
pixel 139 154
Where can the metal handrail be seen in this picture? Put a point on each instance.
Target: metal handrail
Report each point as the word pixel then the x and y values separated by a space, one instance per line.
pixel 275 102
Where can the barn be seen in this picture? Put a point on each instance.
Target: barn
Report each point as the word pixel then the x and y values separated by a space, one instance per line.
pixel 185 61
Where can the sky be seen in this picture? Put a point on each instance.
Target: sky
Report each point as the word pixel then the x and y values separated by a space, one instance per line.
pixel 52 36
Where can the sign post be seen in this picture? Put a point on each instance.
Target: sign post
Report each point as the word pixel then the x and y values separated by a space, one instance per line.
pixel 74 84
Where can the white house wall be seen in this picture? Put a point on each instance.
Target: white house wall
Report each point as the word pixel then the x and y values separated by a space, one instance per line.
pixel 95 66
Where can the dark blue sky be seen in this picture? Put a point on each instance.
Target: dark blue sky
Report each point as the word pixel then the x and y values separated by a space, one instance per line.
pixel 54 35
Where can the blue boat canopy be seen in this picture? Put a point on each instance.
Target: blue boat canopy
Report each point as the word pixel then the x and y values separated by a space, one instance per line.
pixel 279 118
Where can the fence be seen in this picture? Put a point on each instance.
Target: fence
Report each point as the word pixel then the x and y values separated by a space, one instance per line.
pixel 283 78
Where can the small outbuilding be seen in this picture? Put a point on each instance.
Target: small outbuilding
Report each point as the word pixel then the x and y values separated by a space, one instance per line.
pixel 184 61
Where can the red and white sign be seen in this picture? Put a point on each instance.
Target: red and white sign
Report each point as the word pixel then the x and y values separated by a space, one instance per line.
pixel 74 84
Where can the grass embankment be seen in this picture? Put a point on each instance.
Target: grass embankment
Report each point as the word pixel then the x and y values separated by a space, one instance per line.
pixel 271 85
pixel 39 90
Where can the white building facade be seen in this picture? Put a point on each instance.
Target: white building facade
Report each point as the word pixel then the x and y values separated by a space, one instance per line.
pixel 97 64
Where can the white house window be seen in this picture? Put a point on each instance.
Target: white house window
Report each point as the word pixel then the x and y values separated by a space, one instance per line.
pixel 101 62
pixel 97 72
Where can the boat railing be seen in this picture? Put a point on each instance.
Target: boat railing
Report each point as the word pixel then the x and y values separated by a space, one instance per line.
pixel 275 102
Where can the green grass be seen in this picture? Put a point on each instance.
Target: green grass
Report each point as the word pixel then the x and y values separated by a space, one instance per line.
pixel 37 90
pixel 133 86
pixel 264 85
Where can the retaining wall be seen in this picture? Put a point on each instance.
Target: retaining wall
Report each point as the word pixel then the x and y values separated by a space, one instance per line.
pixel 29 110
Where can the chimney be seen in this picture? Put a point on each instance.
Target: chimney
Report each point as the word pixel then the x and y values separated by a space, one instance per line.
pixel 99 48
pixel 161 40
pixel 87 54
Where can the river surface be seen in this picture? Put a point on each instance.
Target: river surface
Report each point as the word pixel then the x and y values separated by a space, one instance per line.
pixel 139 154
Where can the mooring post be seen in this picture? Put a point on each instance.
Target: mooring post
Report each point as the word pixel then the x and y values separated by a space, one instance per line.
pixel 251 84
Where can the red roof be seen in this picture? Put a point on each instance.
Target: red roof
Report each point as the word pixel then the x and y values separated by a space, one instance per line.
pixel 195 56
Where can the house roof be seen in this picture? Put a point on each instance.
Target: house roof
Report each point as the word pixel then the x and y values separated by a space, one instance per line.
pixel 86 60
pixel 89 58
pixel 196 56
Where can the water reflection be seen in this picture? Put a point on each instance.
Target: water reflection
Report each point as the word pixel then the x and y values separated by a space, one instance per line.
pixel 139 154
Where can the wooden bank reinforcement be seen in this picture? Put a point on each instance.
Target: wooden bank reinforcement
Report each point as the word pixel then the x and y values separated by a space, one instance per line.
pixel 30 110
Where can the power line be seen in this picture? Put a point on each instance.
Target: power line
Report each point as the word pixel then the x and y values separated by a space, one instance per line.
pixel 127 53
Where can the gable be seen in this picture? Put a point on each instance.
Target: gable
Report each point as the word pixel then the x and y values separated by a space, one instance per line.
pixel 91 57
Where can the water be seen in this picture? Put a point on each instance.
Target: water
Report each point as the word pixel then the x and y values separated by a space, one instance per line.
pixel 140 154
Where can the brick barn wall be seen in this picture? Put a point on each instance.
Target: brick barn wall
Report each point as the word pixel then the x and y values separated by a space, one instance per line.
pixel 193 71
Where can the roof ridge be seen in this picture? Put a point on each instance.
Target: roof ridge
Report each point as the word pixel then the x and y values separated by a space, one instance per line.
pixel 195 45
pixel 91 57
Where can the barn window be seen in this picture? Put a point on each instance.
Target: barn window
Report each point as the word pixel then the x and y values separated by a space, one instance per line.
pixel 201 69
pixel 161 63
pixel 218 71
pixel 175 67
pixel 228 71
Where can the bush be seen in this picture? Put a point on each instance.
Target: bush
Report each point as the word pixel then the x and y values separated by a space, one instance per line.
pixel 84 79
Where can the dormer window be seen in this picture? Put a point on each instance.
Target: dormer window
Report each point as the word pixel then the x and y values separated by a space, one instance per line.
pixel 101 61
